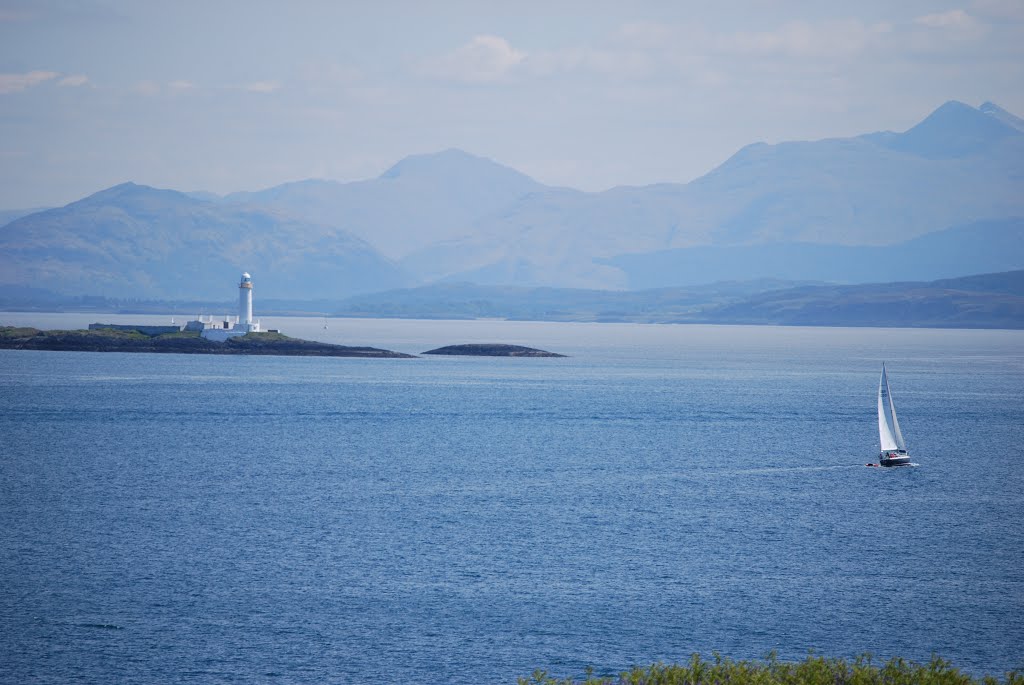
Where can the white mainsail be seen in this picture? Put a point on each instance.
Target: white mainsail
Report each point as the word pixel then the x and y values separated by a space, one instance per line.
pixel 889 434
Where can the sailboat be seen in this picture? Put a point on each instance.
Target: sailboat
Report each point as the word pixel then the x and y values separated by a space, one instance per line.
pixel 894 449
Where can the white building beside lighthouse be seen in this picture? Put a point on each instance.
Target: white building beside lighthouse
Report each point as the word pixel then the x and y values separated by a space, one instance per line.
pixel 226 328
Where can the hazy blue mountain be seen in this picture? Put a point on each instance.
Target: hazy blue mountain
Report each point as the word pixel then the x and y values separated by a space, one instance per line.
pixel 553 237
pixel 983 301
pixel 954 131
pixel 133 240
pixel 958 166
pixel 1002 115
pixel 419 201
pixel 976 248
pixel 204 195
pixel 9 215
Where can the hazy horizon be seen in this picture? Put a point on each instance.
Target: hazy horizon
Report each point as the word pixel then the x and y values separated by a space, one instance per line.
pixel 590 96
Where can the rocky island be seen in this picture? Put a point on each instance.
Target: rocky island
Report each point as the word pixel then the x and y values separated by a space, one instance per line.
pixel 181 342
pixel 492 350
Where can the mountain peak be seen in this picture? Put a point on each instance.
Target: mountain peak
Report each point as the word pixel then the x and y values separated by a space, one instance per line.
pixel 134 194
pixel 1008 118
pixel 954 130
pixel 119 189
pixel 952 108
pixel 450 163
pixel 951 115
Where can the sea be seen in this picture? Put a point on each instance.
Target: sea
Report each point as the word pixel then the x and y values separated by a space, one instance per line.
pixel 664 490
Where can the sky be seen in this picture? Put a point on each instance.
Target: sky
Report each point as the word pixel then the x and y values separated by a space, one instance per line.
pixel 228 96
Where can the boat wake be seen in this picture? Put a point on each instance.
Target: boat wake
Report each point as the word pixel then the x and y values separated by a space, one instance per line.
pixel 794 469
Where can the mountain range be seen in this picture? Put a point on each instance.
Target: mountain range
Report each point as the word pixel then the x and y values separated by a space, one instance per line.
pixel 943 199
pixel 959 166
pixel 144 242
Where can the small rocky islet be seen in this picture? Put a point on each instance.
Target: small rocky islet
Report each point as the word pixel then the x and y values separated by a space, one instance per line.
pixel 492 350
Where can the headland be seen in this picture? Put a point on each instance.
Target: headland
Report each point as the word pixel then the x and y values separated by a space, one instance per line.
pixel 179 342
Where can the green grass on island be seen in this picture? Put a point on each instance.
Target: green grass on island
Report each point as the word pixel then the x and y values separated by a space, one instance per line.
pixel 25 332
pixel 814 670
pixel 180 342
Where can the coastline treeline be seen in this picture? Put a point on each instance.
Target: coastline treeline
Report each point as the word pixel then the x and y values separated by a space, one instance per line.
pixel 814 670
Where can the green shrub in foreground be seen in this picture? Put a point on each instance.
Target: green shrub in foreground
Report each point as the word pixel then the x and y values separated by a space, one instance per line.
pixel 814 670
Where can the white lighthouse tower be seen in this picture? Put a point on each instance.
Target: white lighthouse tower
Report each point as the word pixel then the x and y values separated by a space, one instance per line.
pixel 245 302
pixel 245 323
pixel 222 330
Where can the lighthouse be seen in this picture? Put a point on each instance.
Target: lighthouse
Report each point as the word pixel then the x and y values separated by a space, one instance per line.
pixel 222 330
pixel 245 302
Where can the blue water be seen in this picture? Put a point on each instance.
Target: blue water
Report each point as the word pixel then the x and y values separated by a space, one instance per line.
pixel 665 490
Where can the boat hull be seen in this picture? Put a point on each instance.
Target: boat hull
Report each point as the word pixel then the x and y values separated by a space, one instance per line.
pixel 888 459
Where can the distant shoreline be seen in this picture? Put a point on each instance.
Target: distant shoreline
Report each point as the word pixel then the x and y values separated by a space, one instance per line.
pixel 983 301
pixel 1013 326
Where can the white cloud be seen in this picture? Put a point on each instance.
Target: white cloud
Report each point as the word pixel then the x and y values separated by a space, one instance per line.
pixel 943 31
pixel 706 57
pixel 955 19
pixel 12 83
pixel 800 39
pixel 262 86
pixel 181 86
pixel 73 81
pixel 483 59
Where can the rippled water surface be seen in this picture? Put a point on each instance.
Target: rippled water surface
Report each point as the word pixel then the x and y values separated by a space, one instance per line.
pixel 664 490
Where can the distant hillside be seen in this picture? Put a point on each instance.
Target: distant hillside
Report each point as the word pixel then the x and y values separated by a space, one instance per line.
pixel 9 215
pixel 142 242
pixel 471 301
pixel 418 201
pixel 982 301
pixel 975 248
pixel 985 301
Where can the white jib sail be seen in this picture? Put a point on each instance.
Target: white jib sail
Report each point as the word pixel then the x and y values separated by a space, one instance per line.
pixel 895 422
pixel 887 427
